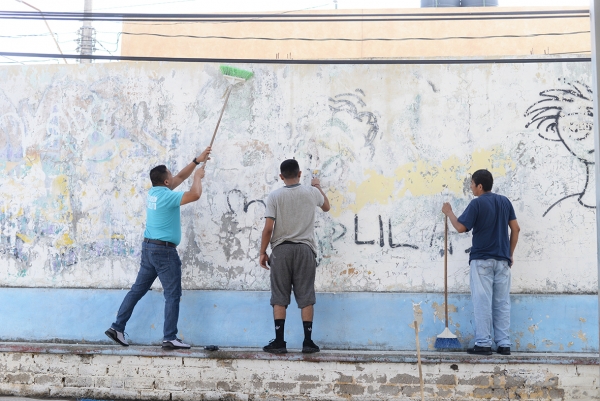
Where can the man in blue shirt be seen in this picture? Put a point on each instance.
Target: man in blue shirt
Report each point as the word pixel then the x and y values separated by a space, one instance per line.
pixel 159 249
pixel 489 216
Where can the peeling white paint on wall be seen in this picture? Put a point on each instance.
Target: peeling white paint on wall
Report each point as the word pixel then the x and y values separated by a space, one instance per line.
pixel 390 144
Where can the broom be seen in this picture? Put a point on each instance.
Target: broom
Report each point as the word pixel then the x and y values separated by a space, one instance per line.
pixel 446 339
pixel 234 76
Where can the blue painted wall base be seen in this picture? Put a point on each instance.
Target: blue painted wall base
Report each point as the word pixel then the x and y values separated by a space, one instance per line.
pixel 371 321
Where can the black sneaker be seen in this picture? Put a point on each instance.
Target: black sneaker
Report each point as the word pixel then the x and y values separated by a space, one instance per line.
pixel 309 347
pixel 504 350
pixel 276 347
pixel 117 336
pixel 477 350
pixel 175 344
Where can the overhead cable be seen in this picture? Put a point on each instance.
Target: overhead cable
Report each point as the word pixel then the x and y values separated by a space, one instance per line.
pixel 532 35
pixel 272 17
pixel 439 61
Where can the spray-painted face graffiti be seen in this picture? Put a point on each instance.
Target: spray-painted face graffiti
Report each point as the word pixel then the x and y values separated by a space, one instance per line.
pixel 566 116
pixel 348 132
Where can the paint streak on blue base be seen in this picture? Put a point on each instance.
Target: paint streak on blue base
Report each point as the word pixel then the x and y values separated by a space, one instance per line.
pixel 373 321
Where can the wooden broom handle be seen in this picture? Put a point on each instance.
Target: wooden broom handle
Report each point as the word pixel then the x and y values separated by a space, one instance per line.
pixel 446 269
pixel 416 325
pixel 220 116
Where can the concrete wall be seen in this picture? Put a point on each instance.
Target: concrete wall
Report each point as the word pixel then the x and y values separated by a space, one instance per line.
pixel 389 142
pixel 347 320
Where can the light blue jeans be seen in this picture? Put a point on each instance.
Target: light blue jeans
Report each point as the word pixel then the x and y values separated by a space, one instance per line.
pixel 490 293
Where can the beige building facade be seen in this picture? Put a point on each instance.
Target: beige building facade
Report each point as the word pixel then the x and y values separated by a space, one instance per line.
pixel 368 34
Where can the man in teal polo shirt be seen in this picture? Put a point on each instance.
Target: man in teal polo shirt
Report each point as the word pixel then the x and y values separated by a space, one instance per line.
pixel 159 249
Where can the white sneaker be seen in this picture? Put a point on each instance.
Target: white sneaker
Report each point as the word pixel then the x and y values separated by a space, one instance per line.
pixel 175 344
pixel 117 336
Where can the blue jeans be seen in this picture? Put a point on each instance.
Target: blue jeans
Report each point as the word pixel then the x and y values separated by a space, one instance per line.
pixel 490 293
pixel 162 262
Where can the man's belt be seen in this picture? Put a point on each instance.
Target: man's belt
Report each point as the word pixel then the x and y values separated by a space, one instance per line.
pixel 157 242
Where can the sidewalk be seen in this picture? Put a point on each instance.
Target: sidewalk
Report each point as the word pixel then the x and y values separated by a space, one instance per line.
pixel 345 356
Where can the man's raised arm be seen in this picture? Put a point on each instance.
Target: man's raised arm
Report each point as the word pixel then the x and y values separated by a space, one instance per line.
pixel 315 182
pixel 185 172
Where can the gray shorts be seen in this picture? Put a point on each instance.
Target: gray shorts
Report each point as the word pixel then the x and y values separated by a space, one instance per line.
pixel 293 265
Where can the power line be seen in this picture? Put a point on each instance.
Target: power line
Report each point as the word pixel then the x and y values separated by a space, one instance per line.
pixel 101 45
pixel 533 35
pixel 321 61
pixel 29 61
pixel 579 52
pixel 378 17
pixel 41 14
pixel 313 20
pixel 24 36
pixel 13 61
pixel 287 15
pixel 145 4
pixel 185 1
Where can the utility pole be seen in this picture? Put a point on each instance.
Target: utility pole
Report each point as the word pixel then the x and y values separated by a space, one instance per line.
pixel 87 34
pixel 595 30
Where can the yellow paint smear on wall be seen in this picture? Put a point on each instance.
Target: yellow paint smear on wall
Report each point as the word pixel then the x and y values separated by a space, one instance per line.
pixel 60 185
pixel 336 198
pixel 25 238
pixel 421 178
pixel 375 189
pixel 65 240
pixel 61 193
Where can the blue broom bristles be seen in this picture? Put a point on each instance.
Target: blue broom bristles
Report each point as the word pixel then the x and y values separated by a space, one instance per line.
pixel 447 343
pixel 447 340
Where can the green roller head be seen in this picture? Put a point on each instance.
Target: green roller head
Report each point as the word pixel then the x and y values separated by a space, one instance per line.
pixel 236 72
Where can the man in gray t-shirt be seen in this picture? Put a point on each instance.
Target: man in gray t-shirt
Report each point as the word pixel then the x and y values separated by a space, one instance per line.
pixel 290 228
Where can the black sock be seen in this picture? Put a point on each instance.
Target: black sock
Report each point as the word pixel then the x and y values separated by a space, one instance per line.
pixel 307 330
pixel 279 328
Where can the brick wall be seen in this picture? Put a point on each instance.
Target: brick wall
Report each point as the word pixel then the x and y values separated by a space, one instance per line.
pixel 250 375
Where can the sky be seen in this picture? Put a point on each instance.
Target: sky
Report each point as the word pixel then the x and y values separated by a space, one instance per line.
pixel 34 37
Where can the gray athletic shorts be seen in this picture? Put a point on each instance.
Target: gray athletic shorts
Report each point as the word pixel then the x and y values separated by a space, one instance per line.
pixel 293 265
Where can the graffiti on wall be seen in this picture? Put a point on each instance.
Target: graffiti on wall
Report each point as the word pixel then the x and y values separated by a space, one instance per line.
pixel 76 146
pixel 566 115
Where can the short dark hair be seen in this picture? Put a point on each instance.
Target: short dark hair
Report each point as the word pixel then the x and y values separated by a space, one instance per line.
pixel 484 178
pixel 158 175
pixel 289 168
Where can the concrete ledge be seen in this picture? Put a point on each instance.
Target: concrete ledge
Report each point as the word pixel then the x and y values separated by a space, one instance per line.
pixel 352 356
pixel 76 371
